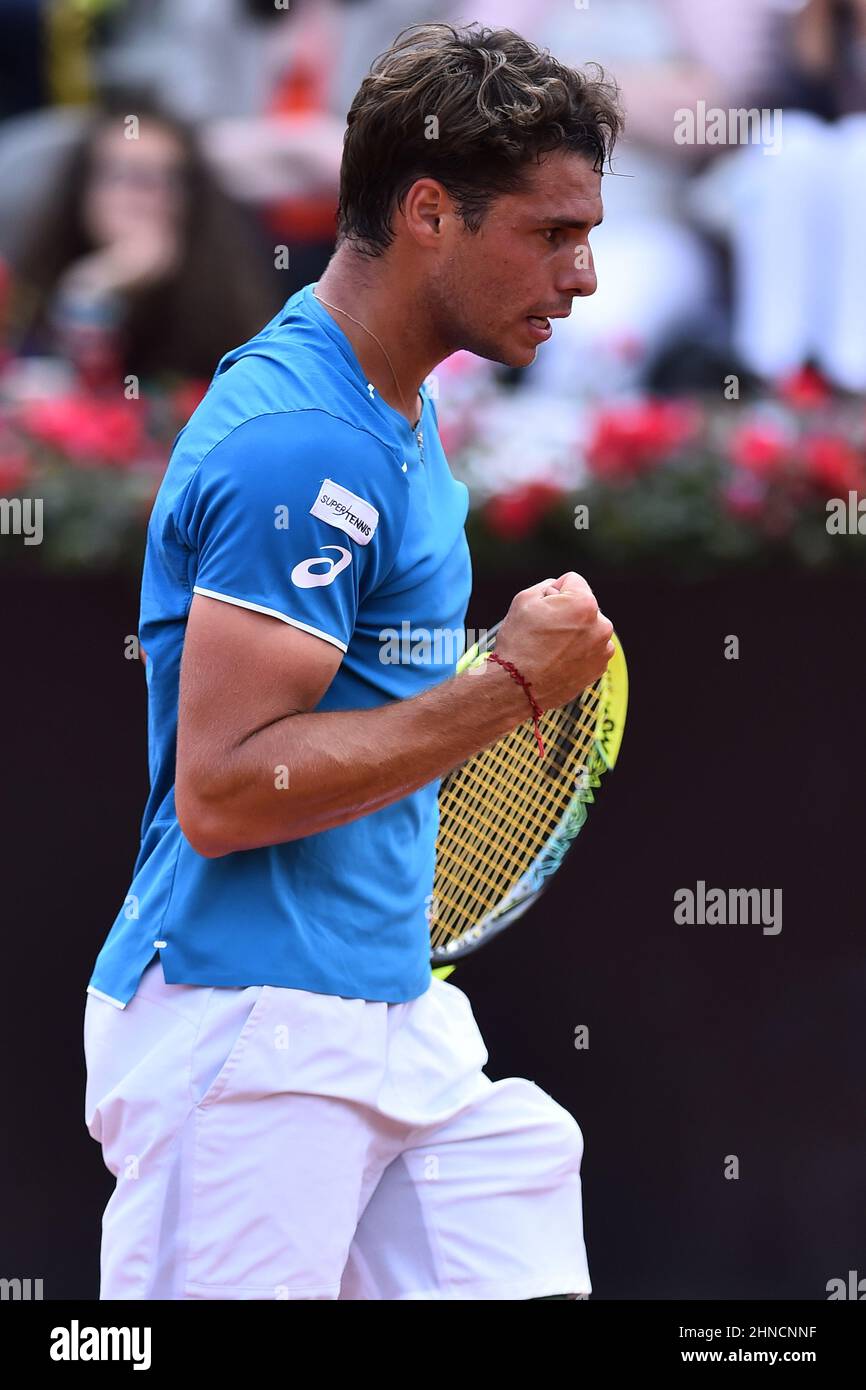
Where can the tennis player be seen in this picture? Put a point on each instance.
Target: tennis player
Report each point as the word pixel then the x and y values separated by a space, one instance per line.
pixel 292 1105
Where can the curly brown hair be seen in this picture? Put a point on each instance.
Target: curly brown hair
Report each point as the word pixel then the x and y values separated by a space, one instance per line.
pixel 498 102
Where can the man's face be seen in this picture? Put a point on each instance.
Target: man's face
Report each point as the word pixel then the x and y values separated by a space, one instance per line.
pixel 524 260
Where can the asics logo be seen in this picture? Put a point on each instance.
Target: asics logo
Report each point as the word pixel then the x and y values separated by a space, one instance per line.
pixel 304 575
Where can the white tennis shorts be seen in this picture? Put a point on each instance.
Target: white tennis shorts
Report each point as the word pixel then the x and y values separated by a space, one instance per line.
pixel 273 1143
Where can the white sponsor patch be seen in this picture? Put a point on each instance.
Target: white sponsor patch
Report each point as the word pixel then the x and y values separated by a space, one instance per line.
pixel 347 510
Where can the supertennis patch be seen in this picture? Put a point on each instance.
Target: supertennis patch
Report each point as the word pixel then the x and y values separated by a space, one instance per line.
pixel 347 510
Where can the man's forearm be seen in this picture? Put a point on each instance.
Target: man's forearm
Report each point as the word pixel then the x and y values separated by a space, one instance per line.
pixel 309 772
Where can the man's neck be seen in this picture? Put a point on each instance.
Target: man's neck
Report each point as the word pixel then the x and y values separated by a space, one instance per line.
pixel 372 296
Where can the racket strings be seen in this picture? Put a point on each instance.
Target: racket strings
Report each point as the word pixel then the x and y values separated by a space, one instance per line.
pixel 499 810
pixel 485 777
pixel 478 793
pixel 473 882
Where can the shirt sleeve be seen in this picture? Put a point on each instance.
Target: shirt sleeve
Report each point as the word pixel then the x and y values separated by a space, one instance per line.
pixel 298 515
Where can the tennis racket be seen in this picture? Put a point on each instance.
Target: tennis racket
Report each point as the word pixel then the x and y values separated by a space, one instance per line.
pixel 507 818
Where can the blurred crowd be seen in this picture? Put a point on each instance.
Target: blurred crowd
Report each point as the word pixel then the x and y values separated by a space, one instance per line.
pixel 159 252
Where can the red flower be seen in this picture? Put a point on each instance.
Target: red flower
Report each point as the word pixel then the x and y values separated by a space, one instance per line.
pixel 745 496
pixel 88 429
pixel 514 514
pixel 627 440
pixel 832 464
pixel 805 389
pixel 759 449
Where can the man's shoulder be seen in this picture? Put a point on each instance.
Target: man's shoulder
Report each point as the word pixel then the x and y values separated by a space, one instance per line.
pixel 285 456
pixel 272 436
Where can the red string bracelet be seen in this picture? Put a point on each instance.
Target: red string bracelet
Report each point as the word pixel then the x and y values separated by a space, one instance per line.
pixel 536 710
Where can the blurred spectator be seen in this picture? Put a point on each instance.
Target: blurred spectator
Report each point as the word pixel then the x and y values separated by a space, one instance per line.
pixel 796 220
pixel 268 86
pixel 139 262
pixel 823 59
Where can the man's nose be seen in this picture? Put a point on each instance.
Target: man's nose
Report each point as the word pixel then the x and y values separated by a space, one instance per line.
pixel 580 277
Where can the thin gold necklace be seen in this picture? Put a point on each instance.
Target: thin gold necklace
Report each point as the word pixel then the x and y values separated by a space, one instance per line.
pixel 418 432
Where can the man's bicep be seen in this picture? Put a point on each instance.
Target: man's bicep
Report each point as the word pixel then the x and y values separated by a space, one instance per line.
pixel 241 672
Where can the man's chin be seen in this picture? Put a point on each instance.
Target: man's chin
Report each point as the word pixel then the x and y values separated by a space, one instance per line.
pixel 519 357
pixel 509 354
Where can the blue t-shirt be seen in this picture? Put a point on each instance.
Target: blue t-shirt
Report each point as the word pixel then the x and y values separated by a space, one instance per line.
pixel 294 490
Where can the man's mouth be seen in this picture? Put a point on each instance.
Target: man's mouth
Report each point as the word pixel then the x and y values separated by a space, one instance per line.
pixel 540 327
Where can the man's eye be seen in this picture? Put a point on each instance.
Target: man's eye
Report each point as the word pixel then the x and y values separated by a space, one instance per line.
pixel 549 233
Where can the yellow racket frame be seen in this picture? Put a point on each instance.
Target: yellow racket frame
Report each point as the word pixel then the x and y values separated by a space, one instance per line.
pixel 610 724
